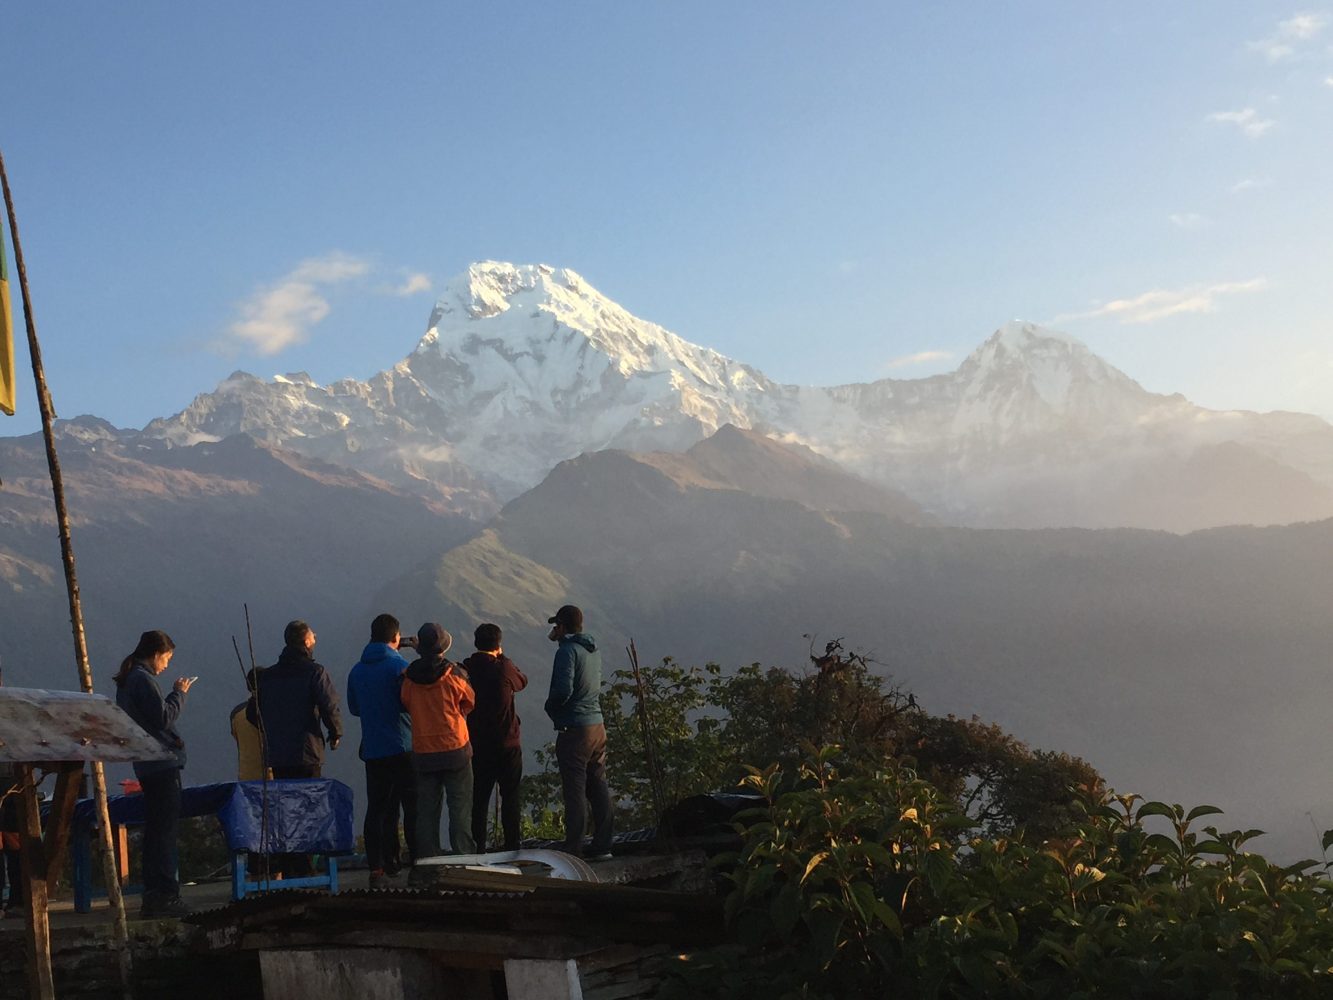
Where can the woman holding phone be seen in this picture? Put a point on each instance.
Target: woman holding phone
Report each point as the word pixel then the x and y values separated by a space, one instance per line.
pixel 137 692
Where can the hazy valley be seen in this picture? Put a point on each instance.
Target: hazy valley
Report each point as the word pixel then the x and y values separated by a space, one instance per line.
pixel 943 526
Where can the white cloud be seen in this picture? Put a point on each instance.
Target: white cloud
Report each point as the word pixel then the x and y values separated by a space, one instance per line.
pixel 1274 49
pixel 1328 81
pixel 1187 220
pixel 1250 183
pixel 1289 34
pixel 279 315
pixel 1163 303
pixel 1246 119
pixel 1303 27
pixel 919 358
pixel 414 284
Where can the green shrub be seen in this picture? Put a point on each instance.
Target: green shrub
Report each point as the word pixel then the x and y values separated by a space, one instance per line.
pixel 855 884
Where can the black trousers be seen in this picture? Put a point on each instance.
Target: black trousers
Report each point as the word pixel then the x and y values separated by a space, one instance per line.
pixel 162 813
pixel 504 767
pixel 295 771
pixel 391 788
pixel 11 867
pixel 581 753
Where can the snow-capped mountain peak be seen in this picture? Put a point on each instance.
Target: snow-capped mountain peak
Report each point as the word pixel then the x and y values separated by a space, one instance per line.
pixel 1023 344
pixel 536 310
pixel 523 366
pixel 1050 370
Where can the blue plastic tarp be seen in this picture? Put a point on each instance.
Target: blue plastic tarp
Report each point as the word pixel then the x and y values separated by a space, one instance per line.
pixel 313 815
pixel 303 816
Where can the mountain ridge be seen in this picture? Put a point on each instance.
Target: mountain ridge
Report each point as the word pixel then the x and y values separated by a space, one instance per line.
pixel 1169 661
pixel 523 366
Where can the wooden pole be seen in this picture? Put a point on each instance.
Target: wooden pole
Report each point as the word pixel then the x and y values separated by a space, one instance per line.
pixel 120 936
pixel 37 925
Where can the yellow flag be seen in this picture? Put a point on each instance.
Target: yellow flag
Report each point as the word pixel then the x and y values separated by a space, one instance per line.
pixel 6 335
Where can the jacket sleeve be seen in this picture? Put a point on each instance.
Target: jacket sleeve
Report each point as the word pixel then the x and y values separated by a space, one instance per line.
pixel 326 700
pixel 150 710
pixel 351 697
pixel 515 678
pixel 153 711
pixel 172 706
pixel 467 698
pixel 562 680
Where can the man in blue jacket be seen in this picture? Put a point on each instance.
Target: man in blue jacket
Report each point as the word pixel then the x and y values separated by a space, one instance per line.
pixel 386 748
pixel 580 742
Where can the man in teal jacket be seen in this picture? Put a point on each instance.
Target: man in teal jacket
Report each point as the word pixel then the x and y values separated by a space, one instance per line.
pixel 580 741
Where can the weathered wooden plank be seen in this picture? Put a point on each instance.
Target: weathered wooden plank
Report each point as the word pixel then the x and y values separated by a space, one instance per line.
pixel 59 822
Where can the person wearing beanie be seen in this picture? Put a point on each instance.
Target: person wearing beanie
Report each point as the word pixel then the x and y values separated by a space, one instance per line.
pixel 438 696
pixel 580 741
pixel 493 726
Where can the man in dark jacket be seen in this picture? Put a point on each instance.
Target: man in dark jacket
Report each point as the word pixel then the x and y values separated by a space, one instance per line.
pixel 493 726
pixel 373 694
pixel 580 742
pixel 295 696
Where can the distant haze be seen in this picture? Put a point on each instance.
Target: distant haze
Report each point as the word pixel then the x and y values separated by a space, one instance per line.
pixel 991 536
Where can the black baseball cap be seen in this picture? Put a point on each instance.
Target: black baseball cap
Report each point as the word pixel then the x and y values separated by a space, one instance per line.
pixel 568 616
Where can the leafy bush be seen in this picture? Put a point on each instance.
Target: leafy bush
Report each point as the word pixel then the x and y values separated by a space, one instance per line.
pixel 855 884
pixel 706 727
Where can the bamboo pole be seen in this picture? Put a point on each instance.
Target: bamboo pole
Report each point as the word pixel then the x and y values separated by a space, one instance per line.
pixel 120 935
pixel 656 785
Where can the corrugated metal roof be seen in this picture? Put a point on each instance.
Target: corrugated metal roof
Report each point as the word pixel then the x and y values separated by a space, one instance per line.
pixel 475 902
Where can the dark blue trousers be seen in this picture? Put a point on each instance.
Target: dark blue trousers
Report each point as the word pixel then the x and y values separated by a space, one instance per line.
pixel 162 813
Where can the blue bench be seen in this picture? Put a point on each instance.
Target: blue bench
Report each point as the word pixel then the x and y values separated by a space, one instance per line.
pixel 292 816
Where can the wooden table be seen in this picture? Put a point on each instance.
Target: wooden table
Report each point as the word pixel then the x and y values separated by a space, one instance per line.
pixel 57 731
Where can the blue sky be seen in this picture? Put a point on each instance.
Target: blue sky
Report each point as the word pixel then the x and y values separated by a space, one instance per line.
pixel 831 193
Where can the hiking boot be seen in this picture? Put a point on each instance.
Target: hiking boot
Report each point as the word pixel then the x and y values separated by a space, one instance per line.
pixel 592 855
pixel 379 878
pixel 174 908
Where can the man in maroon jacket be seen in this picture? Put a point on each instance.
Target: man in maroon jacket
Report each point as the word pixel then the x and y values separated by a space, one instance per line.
pixel 493 724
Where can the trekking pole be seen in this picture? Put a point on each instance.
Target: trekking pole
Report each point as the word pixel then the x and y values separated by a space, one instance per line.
pixel 263 747
pixel 252 686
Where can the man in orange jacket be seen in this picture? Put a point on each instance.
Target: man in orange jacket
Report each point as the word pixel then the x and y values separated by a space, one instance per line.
pixel 438 697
